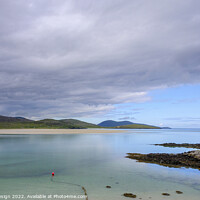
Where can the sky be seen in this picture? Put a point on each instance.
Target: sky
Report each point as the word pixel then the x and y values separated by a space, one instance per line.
pixel 133 60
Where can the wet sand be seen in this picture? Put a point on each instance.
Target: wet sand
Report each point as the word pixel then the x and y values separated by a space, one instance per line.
pixel 57 131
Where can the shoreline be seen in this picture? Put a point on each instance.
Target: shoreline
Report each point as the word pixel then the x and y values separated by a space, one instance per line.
pixel 56 131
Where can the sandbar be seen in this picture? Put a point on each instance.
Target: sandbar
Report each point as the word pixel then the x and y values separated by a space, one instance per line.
pixel 57 131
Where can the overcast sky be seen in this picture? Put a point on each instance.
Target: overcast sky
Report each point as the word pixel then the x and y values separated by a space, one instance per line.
pixel 96 60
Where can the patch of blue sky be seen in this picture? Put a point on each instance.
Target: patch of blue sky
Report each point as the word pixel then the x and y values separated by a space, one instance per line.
pixel 175 107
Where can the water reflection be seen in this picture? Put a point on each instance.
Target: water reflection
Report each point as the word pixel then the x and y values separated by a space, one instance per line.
pixel 96 160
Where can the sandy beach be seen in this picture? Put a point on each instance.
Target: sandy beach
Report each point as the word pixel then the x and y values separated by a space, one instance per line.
pixel 57 131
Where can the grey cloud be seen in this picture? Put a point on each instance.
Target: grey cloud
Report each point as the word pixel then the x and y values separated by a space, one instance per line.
pixel 78 58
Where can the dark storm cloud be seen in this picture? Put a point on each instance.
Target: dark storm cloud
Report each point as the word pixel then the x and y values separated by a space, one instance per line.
pixel 79 58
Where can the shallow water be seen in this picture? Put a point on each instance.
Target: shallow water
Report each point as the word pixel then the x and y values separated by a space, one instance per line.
pixel 95 161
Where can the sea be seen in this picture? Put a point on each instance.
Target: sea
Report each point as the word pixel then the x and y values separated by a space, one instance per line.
pixel 85 164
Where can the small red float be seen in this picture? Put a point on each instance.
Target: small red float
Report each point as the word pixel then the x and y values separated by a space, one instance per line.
pixel 52 173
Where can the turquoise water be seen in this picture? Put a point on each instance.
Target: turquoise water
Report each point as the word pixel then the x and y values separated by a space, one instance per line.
pixel 95 161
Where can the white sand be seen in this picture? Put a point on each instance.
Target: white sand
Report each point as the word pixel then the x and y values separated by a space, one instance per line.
pixel 57 131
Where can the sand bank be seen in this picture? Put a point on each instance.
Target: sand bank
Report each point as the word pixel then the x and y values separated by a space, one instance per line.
pixel 57 131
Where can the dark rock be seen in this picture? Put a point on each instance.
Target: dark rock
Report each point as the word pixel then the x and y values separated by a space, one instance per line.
pixel 179 192
pixel 188 159
pixel 185 145
pixel 166 194
pixel 108 186
pixel 130 195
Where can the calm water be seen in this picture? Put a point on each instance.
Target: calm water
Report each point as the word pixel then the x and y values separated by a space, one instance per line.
pixel 95 161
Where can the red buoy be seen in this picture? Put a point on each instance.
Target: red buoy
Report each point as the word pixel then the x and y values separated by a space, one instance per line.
pixel 52 174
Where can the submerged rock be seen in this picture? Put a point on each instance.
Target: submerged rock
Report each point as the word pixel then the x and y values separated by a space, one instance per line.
pixel 179 192
pixel 130 195
pixel 187 159
pixel 166 194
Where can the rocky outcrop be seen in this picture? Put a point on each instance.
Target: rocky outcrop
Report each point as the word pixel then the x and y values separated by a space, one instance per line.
pixel 185 145
pixel 188 159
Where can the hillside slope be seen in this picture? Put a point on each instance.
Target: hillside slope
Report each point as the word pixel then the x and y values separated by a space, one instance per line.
pixel 137 126
pixel 80 123
pixel 20 122
pixel 14 119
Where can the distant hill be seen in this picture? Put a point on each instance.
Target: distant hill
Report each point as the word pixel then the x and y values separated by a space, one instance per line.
pixel 14 119
pixel 111 123
pixel 165 127
pixel 20 122
pixel 125 125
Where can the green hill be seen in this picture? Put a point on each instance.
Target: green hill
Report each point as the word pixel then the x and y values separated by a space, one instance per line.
pixel 15 123
pixel 79 123
pixel 20 122
pixel 137 126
